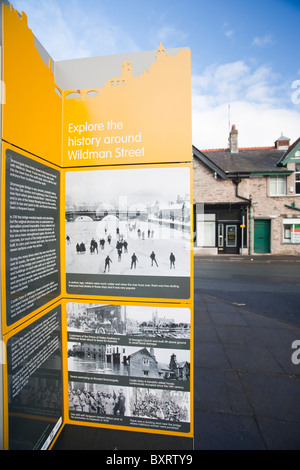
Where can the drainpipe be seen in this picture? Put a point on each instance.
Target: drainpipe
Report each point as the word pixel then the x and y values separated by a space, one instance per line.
pixel 237 181
pixel 250 225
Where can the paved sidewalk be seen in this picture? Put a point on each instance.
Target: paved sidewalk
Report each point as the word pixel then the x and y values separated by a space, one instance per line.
pixel 247 390
pixel 248 258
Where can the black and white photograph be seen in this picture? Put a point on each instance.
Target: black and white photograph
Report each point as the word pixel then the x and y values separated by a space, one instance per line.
pixel 100 400
pixel 133 320
pixel 143 362
pixel 96 318
pixel 132 221
pixel 158 322
pixel 159 404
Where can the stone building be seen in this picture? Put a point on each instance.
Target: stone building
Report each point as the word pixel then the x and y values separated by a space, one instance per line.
pixel 247 201
pixel 142 363
pixel 179 370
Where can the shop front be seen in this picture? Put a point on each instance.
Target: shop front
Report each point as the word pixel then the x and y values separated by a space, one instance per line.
pixel 221 228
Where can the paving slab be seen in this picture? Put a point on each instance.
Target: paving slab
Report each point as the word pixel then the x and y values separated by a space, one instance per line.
pixel 217 431
pixel 246 386
pixel 220 391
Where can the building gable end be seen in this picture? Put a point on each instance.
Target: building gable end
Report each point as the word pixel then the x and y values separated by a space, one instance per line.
pixel 206 161
pixel 292 155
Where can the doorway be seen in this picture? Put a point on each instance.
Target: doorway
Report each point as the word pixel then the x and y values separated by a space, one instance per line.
pixel 228 242
pixel 262 239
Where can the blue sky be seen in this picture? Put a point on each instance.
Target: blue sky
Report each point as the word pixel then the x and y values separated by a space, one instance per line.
pixel 245 53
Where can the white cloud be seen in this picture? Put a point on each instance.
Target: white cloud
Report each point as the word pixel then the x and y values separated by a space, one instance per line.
pixel 258 125
pixel 229 33
pixel 69 31
pixel 169 35
pixel 237 80
pixel 258 100
pixel 263 41
pixel 253 99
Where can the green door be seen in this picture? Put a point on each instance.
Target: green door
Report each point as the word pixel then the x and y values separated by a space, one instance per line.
pixel 262 236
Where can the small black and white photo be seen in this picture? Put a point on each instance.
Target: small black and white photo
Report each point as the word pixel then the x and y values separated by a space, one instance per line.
pixel 93 358
pixel 158 363
pixel 127 361
pixel 158 322
pixel 159 404
pixel 100 400
pixel 96 318
pixel 132 320
pixel 133 221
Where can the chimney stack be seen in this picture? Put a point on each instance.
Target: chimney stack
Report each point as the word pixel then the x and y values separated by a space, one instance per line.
pixel 233 140
pixel 282 143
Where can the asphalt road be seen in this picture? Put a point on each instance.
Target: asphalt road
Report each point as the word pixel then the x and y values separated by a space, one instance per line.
pixel 271 289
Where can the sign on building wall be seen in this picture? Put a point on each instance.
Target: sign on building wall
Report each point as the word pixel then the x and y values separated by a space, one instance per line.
pixel 295 233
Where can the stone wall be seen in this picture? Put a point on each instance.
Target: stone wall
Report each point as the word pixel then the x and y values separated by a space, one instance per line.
pixel 210 189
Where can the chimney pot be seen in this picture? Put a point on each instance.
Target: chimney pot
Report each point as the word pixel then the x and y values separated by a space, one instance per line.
pixel 233 140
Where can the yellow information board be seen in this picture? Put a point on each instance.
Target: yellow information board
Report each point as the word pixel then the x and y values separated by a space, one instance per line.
pixel 96 245
pixel 31 115
pixel 129 366
pixel 143 119
pixel 127 232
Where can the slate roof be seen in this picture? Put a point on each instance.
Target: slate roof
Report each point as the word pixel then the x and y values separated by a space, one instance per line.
pixel 245 162
pixel 289 151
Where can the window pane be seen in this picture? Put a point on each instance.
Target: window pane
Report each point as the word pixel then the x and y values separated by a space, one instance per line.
pixel 209 234
pixel 281 185
pixel 206 234
pixel 287 232
pixel 231 235
pixel 277 185
pixel 296 234
pixel 273 186
pixel 221 235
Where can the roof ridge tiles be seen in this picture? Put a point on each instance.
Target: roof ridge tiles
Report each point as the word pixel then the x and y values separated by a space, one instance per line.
pixel 241 148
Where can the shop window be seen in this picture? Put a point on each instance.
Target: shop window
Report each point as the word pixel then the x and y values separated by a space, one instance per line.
pixel 206 230
pixel 277 186
pixel 297 179
pixel 291 232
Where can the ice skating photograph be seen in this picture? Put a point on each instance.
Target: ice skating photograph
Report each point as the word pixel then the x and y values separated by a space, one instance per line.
pixel 133 221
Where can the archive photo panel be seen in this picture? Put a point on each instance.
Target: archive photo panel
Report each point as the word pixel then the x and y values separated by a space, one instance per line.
pixel 130 365
pixel 128 232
